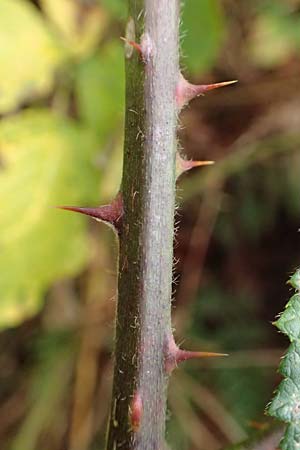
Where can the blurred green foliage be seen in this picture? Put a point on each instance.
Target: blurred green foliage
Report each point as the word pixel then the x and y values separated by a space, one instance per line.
pixel 29 54
pixel 276 34
pixel 53 56
pixel 237 328
pixel 117 7
pixel 43 163
pixel 48 159
pixel 202 33
pixel 97 77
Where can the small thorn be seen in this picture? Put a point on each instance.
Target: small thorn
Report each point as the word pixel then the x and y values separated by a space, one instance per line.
pixel 111 213
pixel 174 355
pixel 210 87
pixel 133 44
pixel 186 91
pixel 183 165
pixel 183 355
pixel 136 411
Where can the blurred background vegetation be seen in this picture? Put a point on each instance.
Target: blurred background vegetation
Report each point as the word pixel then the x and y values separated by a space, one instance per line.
pixel 61 131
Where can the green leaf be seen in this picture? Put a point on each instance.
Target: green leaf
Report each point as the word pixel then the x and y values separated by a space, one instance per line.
pixel 46 160
pixel 289 320
pixel 29 54
pixel 291 439
pixel 290 364
pixel 100 88
pixel 295 280
pixel 80 36
pixel 203 30
pixel 286 402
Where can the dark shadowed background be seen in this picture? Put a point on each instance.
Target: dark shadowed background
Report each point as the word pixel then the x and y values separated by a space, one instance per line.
pixel 61 131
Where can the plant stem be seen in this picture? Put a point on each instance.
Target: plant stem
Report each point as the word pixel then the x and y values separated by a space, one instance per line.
pixel 143 324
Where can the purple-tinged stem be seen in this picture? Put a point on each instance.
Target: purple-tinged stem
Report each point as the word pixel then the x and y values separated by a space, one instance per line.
pixel 146 236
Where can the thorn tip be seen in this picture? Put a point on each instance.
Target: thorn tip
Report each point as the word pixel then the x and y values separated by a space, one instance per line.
pixel 186 91
pixel 183 165
pixel 174 355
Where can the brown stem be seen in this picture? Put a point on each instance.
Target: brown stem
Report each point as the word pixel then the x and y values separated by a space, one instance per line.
pixel 146 236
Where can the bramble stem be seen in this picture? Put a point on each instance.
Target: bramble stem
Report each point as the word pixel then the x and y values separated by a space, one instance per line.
pixel 143 322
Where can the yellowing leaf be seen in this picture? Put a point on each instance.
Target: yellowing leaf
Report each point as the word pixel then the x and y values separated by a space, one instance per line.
pixel 29 54
pixel 80 25
pixel 46 160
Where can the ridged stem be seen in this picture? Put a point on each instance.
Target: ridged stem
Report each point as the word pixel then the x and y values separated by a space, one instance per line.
pixel 143 323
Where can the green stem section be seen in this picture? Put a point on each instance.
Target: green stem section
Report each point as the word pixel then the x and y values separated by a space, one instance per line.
pixel 143 324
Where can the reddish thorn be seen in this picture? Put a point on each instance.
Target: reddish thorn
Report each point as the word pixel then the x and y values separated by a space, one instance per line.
pixel 136 411
pixel 260 426
pixel 184 165
pixel 183 355
pixel 174 355
pixel 186 91
pixel 111 213
pixel 133 44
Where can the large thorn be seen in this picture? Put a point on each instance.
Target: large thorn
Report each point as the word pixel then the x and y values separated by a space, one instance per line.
pixel 183 165
pixel 186 91
pixel 111 214
pixel 174 355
